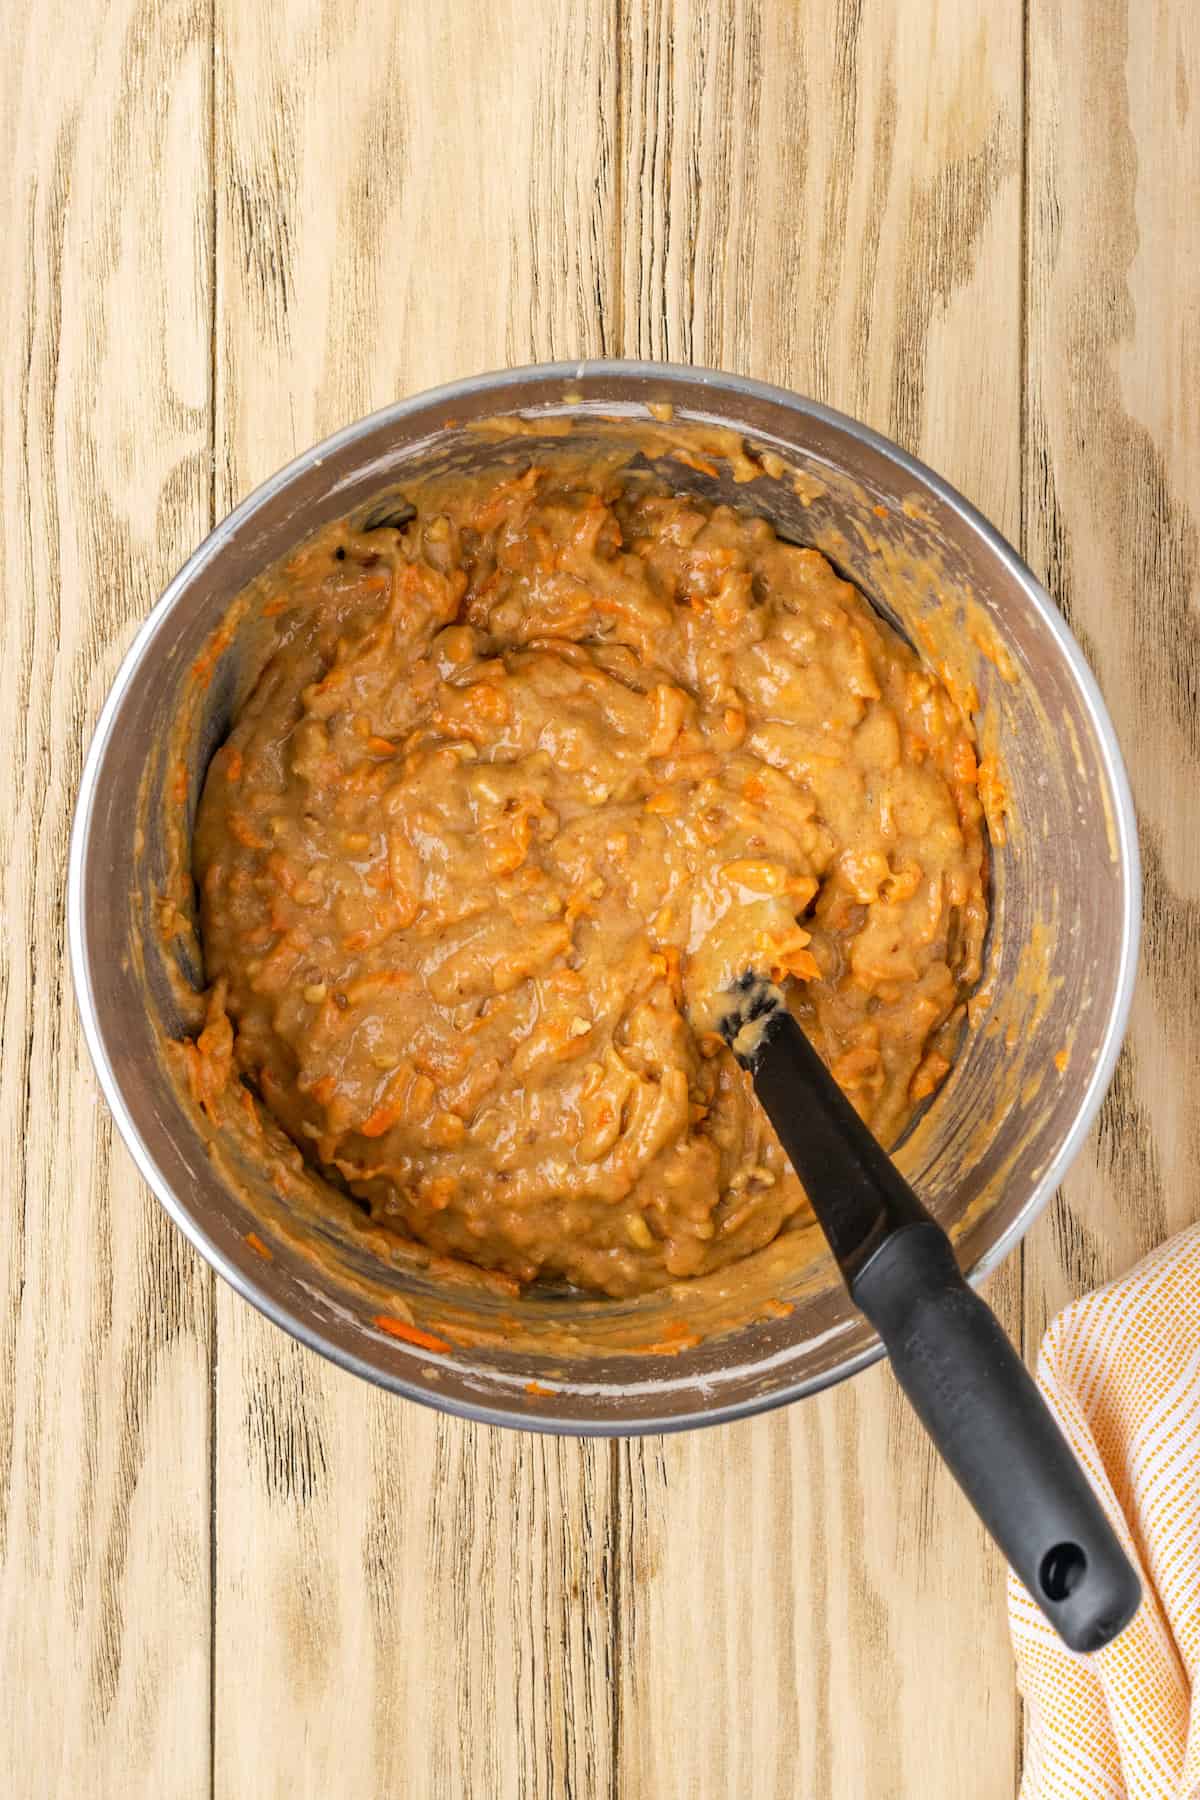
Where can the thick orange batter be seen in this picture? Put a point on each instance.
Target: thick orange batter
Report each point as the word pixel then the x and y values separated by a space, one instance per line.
pixel 526 783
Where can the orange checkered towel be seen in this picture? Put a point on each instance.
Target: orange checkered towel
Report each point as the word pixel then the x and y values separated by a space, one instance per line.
pixel 1121 1370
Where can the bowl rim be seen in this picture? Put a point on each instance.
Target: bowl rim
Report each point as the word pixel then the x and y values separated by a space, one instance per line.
pixel 497 382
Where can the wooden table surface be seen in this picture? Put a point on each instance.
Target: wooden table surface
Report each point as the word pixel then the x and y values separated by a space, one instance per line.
pixel 228 227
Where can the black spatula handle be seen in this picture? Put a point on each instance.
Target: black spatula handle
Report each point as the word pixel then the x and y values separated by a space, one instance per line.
pixel 997 1436
pixel 969 1387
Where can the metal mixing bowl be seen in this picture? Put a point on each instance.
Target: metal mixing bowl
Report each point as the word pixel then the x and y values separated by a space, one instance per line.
pixel 1034 1061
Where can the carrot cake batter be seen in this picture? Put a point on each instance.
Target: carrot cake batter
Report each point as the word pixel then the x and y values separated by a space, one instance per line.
pixel 530 778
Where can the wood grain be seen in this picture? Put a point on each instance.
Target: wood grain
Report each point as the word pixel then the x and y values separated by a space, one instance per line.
pixel 104 1312
pixel 230 229
pixel 405 1604
pixel 829 197
pixel 1113 473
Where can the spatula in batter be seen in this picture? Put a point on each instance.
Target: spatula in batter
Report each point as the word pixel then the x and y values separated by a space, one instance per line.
pixel 968 1385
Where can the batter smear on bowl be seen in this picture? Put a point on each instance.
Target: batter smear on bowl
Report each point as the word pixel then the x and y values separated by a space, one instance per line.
pixel 530 778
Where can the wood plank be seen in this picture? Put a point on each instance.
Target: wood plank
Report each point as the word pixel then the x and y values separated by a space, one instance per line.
pixel 405 1604
pixel 827 196
pixel 104 1311
pixel 1113 475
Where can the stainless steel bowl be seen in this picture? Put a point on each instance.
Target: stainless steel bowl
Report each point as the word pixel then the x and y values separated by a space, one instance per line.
pixel 1035 1059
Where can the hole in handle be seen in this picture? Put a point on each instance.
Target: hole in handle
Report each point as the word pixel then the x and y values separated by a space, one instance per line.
pixel 1062 1570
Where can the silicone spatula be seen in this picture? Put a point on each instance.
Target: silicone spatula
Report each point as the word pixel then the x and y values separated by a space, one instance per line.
pixel 969 1387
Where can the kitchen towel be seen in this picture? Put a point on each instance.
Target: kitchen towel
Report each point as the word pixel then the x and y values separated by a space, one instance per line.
pixel 1121 1370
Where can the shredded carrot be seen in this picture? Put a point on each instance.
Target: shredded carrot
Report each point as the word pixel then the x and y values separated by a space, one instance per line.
pixel 699 463
pixel 1061 1061
pixel 382 1119
pixel 486 701
pixel 494 509
pixel 803 965
pixel 543 543
pixel 670 964
pixel 411 1334
pixel 994 795
pixel 535 1387
pixel 437 1191
pixel 855 1064
pixel 274 607
pixel 671 1343
pixel 579 906
pixel 206 662
pixel 244 833
pixel 259 1248
pixel 932 1071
